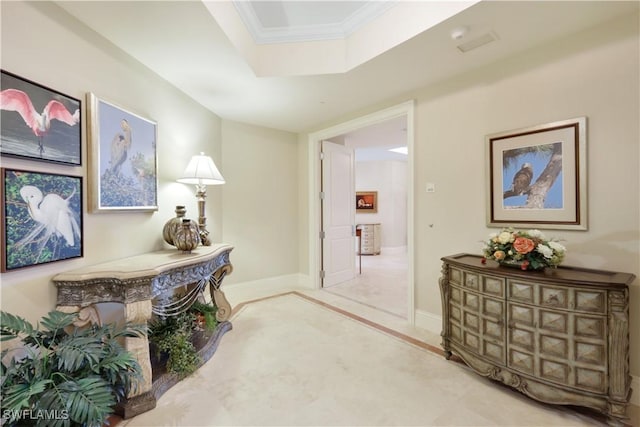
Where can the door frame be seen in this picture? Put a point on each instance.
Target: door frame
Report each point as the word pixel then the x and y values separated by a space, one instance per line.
pixel 314 182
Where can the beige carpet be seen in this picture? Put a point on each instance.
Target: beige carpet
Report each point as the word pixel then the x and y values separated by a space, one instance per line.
pixel 293 361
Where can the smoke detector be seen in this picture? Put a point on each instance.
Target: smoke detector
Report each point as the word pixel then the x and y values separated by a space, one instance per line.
pixel 459 33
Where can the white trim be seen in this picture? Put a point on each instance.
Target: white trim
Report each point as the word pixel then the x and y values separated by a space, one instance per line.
pixel 429 321
pixel 403 109
pixel 254 289
pixel 367 13
pixel 393 250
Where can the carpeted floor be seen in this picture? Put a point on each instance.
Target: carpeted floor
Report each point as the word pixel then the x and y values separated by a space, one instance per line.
pixel 292 360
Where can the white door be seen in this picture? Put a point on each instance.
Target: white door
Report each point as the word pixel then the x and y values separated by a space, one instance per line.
pixel 338 214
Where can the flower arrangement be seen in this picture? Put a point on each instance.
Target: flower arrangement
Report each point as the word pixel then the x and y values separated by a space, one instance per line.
pixel 530 250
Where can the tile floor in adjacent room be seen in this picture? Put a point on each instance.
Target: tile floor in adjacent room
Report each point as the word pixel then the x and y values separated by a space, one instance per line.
pixel 336 358
pixel 380 282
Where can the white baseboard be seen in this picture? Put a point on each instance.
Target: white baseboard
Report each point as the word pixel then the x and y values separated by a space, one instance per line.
pixel 255 289
pixel 429 321
pixel 393 250
pixel 433 323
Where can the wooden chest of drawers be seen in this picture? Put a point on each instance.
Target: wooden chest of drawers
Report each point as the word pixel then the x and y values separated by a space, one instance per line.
pixel 370 239
pixel 559 336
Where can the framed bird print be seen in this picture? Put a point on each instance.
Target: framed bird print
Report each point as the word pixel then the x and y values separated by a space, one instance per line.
pixel 536 176
pixel 41 218
pixel 123 166
pixel 38 123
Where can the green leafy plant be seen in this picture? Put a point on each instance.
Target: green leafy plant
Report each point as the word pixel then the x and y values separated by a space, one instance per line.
pixel 66 376
pixel 171 335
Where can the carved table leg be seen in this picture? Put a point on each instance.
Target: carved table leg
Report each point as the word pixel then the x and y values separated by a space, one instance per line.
pixel 219 298
pixel 139 312
pixel 86 315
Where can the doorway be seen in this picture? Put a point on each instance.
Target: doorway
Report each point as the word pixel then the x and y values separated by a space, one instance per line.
pixel 404 111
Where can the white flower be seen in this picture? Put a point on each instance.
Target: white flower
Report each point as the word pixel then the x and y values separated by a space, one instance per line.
pixel 536 234
pixel 546 251
pixel 557 247
pixel 505 237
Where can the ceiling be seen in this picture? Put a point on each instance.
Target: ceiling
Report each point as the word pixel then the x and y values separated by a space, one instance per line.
pixel 206 50
pixel 296 21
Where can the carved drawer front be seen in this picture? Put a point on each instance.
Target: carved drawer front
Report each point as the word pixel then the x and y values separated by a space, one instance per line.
pixel 592 380
pixel 471 301
pixel 521 361
pixel 592 353
pixel 589 326
pixel 471 280
pixel 455 276
pixel 554 321
pixel 593 301
pixel 554 346
pixel 562 347
pixel 587 300
pixel 456 333
pixel 493 286
pixel 477 323
pixel 556 371
pixel 554 297
pixel 521 291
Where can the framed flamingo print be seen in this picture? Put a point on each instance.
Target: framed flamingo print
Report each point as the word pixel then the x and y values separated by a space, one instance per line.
pixel 123 163
pixel 41 218
pixel 38 123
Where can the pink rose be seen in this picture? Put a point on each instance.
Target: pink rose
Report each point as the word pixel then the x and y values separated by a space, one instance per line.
pixel 498 255
pixel 523 245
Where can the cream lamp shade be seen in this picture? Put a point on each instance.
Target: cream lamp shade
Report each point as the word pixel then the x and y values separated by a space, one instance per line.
pixel 201 171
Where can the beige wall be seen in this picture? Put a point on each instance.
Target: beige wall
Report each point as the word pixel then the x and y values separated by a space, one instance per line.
pixel 389 179
pixel 44 44
pixel 592 74
pixel 260 211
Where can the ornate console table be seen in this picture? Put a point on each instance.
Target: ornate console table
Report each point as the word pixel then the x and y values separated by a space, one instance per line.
pixel 142 284
pixel 559 336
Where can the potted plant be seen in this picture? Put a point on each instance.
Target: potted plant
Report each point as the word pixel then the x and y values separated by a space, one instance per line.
pixel 170 337
pixel 175 340
pixel 65 376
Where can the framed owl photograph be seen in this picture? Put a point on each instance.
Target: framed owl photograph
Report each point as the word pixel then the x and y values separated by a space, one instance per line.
pixel 536 176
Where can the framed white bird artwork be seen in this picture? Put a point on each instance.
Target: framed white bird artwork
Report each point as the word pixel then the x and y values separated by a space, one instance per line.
pixel 41 219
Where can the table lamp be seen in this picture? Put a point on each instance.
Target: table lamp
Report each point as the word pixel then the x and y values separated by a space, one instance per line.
pixel 201 171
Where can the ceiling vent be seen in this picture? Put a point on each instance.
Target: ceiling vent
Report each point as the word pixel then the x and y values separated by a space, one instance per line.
pixel 477 42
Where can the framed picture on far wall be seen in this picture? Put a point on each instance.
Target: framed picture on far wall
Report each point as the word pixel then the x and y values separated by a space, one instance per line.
pixel 123 166
pixel 366 202
pixel 39 123
pixel 41 218
pixel 536 176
